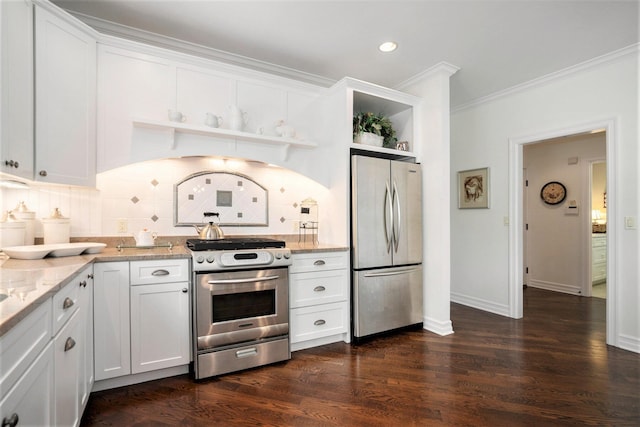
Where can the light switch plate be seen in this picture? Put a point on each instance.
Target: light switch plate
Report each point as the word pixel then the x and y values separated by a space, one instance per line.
pixel 630 222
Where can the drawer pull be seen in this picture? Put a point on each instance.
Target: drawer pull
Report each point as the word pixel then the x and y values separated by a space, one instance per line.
pixel 83 284
pixel 319 262
pixel 67 303
pixel 185 290
pixel 319 322
pixel 319 288
pixel 160 273
pixel 247 352
pixel 11 421
pixel 69 344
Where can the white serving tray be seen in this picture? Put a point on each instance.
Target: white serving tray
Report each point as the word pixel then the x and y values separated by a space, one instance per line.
pixel 56 250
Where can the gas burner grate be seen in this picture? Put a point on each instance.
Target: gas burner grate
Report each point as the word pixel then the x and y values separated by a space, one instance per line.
pixel 234 243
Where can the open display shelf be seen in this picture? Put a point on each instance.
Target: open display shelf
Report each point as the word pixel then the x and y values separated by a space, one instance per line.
pixel 174 127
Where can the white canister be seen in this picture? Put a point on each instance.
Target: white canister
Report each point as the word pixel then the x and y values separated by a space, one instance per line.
pixel 22 213
pixel 56 228
pixel 11 231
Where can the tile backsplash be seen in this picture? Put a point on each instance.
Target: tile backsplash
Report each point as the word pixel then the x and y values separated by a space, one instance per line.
pixel 142 196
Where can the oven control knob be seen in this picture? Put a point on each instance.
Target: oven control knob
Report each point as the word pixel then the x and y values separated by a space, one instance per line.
pixel 210 259
pixel 287 255
pixel 199 259
pixel 278 255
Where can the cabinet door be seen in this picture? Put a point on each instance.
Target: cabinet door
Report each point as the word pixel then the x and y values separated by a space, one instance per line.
pixel 112 348
pixel 68 369
pixel 31 399
pixel 131 85
pixel 16 33
pixel 65 67
pixel 159 326
pixel 85 282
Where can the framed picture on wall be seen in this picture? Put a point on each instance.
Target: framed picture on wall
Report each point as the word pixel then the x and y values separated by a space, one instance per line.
pixel 473 189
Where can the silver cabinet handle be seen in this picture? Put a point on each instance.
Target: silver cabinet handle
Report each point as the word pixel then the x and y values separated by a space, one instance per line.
pixel 90 276
pixel 160 273
pixel 67 303
pixel 11 421
pixel 319 288
pixel 69 344
pixel 185 290
pixel 42 173
pixel 83 284
pixel 319 322
pixel 319 262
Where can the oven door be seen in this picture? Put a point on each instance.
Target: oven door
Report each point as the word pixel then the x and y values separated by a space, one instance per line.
pixel 238 306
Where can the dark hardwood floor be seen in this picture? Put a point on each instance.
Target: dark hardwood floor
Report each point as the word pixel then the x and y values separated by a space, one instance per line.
pixel 550 368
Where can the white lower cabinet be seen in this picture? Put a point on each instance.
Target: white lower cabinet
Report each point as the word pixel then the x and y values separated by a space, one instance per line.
pixel 112 344
pixel 30 401
pixel 46 368
pixel 141 314
pixel 159 326
pixel 319 299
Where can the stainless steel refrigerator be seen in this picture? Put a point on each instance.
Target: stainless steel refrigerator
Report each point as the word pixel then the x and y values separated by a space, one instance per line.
pixel 386 227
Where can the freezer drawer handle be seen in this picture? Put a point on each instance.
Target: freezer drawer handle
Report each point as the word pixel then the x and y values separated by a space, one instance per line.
pixel 249 280
pixel 319 322
pixel 246 352
pixel 319 262
pixel 390 273
pixel 319 288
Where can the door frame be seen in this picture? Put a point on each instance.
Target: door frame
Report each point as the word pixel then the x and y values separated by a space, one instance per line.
pixel 516 214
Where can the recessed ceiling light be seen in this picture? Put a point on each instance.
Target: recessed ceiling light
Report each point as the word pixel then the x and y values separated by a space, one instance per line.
pixel 388 46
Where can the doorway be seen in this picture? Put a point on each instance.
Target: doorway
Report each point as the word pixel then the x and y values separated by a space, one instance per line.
pixel 598 181
pixel 516 214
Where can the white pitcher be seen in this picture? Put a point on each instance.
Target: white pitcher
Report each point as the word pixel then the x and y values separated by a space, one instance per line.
pixel 237 118
pixel 212 120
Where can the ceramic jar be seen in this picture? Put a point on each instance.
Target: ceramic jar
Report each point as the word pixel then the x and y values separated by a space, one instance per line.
pixel 22 213
pixel 56 228
pixel 12 231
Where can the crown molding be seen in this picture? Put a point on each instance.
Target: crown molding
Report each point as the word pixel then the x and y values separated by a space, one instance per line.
pixel 574 69
pixel 440 68
pixel 146 37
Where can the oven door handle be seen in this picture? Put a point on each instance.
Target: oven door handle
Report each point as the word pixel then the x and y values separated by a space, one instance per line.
pixel 249 280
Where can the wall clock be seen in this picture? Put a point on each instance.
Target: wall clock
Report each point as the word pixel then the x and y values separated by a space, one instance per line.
pixel 553 192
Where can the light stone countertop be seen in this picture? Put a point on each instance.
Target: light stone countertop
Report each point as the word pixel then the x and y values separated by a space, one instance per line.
pixel 25 284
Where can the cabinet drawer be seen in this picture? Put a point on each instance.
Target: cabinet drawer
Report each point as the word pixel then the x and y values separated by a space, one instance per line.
pixel 65 303
pixel 319 261
pixel 159 271
pixel 318 287
pixel 309 323
pixel 22 344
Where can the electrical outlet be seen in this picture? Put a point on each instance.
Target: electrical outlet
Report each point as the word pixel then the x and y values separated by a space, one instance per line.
pixel 123 227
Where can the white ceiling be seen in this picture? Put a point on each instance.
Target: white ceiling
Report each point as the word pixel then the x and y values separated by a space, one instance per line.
pixel 496 44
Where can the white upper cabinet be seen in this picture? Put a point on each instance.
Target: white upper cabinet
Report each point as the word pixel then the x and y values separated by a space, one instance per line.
pixel 138 86
pixel 16 88
pixel 65 76
pixel 130 85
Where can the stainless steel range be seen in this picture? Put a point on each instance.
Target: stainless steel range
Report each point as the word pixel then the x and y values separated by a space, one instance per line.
pixel 241 304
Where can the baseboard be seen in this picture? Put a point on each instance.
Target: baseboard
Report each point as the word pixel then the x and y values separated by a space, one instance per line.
pixel 630 343
pixel 437 326
pixel 557 287
pixel 480 304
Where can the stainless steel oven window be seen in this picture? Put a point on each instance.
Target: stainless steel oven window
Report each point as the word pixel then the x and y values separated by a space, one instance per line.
pixel 243 305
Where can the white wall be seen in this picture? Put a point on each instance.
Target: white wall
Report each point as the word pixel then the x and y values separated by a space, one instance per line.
pixel 480 136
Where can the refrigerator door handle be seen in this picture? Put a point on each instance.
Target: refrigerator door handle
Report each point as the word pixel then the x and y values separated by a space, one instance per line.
pixel 390 273
pixel 397 217
pixel 388 217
